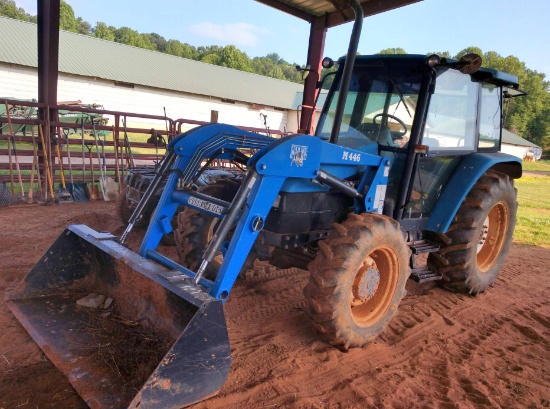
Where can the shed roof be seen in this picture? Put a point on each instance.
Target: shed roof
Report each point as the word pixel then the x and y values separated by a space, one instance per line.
pixel 92 57
pixel 513 139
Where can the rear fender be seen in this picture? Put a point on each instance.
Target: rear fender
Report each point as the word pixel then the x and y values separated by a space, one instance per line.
pixel 467 173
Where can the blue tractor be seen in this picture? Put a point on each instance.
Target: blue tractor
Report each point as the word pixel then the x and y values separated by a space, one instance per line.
pixel 405 161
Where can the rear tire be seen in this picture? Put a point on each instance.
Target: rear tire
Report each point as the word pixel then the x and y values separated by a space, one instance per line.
pixel 357 279
pixel 125 210
pixel 479 236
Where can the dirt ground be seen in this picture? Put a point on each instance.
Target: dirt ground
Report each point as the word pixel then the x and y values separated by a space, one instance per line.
pixel 443 350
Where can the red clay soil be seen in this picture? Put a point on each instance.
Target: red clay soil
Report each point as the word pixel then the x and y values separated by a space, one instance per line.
pixel 443 350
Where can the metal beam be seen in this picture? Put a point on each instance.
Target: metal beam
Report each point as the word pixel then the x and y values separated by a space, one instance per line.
pixel 314 58
pixel 337 11
pixel 370 8
pixel 48 51
pixel 288 8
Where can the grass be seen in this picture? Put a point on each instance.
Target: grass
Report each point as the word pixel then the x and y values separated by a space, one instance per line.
pixel 538 166
pixel 533 218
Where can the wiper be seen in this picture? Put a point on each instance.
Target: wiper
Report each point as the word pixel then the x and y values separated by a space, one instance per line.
pixel 400 96
pixel 398 90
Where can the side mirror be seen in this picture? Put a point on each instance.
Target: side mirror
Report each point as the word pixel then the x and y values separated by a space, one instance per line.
pixel 304 70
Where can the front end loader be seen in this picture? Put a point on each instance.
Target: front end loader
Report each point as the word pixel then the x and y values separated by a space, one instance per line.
pixel 404 162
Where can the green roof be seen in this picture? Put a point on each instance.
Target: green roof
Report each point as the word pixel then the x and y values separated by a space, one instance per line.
pixel 92 57
pixel 513 139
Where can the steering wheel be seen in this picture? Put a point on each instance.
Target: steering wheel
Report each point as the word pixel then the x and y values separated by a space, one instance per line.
pixel 397 135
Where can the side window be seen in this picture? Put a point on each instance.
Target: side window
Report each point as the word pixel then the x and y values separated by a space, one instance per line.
pixel 490 114
pixel 451 120
pixel 328 119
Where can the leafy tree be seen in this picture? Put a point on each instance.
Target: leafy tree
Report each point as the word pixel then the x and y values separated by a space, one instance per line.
pixel 131 37
pixel 276 72
pixel 232 57
pixel 83 27
pixel 398 50
pixel 189 52
pixel 174 47
pixel 8 8
pixel 101 30
pixel 203 51
pixel 213 59
pixel 442 54
pixel 468 50
pixel 180 49
pixel 159 41
pixel 67 20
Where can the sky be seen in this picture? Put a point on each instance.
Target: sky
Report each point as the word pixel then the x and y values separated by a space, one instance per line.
pixel 509 27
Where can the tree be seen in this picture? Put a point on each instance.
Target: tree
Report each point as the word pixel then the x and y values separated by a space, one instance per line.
pixel 174 47
pixel 468 50
pixel 83 27
pixel 8 8
pixel 159 41
pixel 67 21
pixel 189 52
pixel 398 50
pixel 213 59
pixel 276 72
pixel 442 54
pixel 232 57
pixel 131 37
pixel 180 49
pixel 101 30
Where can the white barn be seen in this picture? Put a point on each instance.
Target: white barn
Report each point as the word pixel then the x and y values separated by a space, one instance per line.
pixel 130 79
pixel 517 146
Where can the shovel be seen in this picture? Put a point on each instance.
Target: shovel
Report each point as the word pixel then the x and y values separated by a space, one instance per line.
pixel 110 191
pixel 93 191
pixel 64 195
pixel 77 190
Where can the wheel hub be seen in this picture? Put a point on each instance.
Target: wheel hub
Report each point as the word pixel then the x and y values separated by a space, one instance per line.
pixel 366 283
pixel 483 234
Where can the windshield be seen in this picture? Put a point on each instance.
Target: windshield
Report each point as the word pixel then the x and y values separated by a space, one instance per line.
pixel 380 105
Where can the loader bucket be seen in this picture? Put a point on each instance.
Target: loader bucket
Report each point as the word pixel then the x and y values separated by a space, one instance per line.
pixel 163 342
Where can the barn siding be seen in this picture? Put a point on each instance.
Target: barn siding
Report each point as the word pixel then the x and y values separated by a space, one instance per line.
pixel 22 83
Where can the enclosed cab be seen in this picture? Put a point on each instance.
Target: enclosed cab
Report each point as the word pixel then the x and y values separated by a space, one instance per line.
pixel 440 122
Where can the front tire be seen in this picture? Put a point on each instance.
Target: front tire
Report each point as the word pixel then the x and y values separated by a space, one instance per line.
pixel 357 279
pixel 479 237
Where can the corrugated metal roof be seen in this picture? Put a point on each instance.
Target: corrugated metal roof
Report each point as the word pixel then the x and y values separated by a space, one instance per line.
pixel 92 57
pixel 513 139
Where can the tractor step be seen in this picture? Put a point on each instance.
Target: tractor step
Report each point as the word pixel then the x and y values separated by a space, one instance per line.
pixel 423 246
pixel 424 275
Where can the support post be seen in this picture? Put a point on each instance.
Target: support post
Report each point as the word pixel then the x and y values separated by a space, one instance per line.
pixel 314 58
pixel 48 57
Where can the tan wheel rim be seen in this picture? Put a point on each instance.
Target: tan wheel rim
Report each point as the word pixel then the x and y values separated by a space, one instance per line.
pixel 374 286
pixel 492 236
